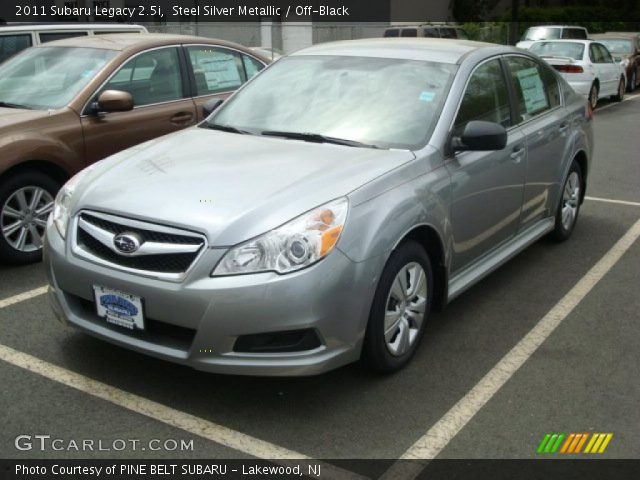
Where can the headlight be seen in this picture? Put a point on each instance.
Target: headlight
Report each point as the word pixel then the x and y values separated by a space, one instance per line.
pixel 62 204
pixel 625 62
pixel 295 245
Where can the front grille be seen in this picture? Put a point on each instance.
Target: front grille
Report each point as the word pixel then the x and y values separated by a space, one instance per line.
pixel 168 263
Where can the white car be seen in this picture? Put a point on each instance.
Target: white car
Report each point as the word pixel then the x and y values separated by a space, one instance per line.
pixel 551 32
pixel 586 65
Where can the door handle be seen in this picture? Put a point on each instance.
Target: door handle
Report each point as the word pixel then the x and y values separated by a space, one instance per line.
pixel 563 126
pixel 182 118
pixel 516 153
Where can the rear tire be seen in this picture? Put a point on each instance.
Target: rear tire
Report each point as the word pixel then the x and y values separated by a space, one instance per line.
pixel 26 199
pixel 569 205
pixel 632 82
pixel 622 87
pixel 400 309
pixel 593 96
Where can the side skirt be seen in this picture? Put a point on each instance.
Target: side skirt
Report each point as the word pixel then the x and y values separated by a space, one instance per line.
pixel 488 263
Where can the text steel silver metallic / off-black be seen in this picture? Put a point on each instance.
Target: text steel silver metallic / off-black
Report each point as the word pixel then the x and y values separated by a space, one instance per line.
pixel 321 213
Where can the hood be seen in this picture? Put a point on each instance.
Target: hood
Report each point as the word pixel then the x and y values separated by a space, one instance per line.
pixel 229 186
pixel 10 117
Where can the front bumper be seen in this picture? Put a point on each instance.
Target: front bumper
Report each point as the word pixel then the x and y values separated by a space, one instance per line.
pixel 196 322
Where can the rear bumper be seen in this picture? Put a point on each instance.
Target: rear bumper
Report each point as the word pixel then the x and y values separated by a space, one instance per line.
pixel 197 322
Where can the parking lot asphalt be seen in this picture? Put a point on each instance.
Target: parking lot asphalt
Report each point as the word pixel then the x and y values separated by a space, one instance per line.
pixel 583 377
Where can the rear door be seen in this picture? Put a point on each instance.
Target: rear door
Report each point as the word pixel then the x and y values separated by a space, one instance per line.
pixel 217 72
pixel 611 68
pixel 158 81
pixel 543 120
pixel 603 69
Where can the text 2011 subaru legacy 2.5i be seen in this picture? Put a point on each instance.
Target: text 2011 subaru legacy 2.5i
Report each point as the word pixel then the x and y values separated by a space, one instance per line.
pixel 322 212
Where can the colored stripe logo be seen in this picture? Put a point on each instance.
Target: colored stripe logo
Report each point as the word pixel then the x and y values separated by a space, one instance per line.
pixel 573 443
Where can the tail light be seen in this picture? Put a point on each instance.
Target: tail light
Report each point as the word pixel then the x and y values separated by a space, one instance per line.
pixel 569 68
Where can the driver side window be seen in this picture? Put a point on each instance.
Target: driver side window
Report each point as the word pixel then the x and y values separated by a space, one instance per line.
pixel 486 98
pixel 151 77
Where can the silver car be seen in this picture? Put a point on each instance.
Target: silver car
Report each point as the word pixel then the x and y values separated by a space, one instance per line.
pixel 321 213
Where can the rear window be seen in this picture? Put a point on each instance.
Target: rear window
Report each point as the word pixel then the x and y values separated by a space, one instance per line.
pixel 409 32
pixel 574 33
pixel 12 44
pixel 392 32
pixel 541 33
pixel 52 36
pixel 558 49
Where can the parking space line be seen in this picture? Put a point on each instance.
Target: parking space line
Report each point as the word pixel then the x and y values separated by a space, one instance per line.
pixel 21 297
pixel 189 423
pixel 625 99
pixel 446 428
pixel 611 200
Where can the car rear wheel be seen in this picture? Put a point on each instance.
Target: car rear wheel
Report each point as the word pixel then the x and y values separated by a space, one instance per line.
pixel 593 96
pixel 622 87
pixel 400 308
pixel 26 200
pixel 569 207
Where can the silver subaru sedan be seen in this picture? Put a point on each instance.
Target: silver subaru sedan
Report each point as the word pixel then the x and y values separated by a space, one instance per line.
pixel 320 214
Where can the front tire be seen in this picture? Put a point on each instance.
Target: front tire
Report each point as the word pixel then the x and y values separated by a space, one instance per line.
pixel 26 199
pixel 569 205
pixel 400 309
pixel 632 82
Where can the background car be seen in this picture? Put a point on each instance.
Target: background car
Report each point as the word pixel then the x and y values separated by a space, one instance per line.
pixel 66 104
pixel 430 30
pixel 625 48
pixel 15 38
pixel 397 173
pixel 586 65
pixel 551 32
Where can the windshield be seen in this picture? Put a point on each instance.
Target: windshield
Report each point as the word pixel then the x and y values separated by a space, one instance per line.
pixel 541 33
pixel 617 45
pixel 558 49
pixel 49 78
pixel 389 103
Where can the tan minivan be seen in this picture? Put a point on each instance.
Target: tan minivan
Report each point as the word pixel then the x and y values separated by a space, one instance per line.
pixel 69 103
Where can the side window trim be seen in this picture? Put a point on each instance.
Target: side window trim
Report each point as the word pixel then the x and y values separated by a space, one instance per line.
pixel 87 105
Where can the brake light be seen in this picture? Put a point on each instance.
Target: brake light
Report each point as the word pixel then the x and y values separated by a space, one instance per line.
pixel 569 68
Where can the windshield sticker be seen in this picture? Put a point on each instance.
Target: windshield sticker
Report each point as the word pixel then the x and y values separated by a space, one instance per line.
pixel 87 73
pixel 427 96
pixel 532 90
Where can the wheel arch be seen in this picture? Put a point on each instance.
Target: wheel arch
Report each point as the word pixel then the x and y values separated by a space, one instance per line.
pixel 49 168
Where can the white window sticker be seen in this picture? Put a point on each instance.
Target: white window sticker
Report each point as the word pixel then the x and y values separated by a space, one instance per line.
pixel 532 90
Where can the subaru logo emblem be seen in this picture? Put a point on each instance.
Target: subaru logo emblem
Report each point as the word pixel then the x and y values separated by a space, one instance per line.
pixel 126 242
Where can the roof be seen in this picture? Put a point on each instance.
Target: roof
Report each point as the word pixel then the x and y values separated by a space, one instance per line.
pixel 68 26
pixel 127 41
pixel 429 49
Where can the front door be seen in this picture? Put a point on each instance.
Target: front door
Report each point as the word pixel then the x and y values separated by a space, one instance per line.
pixel 157 83
pixel 487 187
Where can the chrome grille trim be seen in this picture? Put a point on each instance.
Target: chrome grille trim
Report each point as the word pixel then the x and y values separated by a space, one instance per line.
pixel 105 237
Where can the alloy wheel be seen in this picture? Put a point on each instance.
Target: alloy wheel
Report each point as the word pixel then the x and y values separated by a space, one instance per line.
pixel 570 200
pixel 405 308
pixel 23 218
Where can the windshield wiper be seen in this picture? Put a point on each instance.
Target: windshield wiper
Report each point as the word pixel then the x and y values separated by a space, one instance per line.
pixel 318 138
pixel 14 105
pixel 225 128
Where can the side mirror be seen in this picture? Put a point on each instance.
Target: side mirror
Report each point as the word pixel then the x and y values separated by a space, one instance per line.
pixel 114 101
pixel 209 107
pixel 480 136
